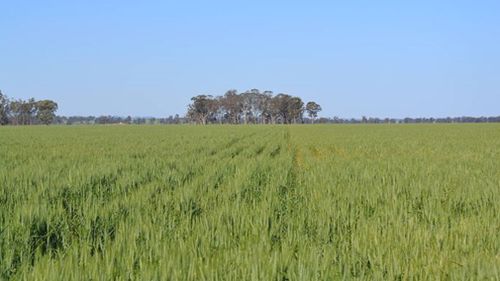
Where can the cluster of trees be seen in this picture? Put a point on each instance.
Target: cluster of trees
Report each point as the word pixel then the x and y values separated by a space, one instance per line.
pixel 26 112
pixel 251 106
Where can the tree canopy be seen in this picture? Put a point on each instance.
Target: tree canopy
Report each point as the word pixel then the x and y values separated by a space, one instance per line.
pixel 26 112
pixel 252 106
pixel 312 109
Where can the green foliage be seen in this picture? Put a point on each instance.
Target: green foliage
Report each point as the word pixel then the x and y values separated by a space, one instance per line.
pixel 4 109
pixel 46 111
pixel 312 109
pixel 387 202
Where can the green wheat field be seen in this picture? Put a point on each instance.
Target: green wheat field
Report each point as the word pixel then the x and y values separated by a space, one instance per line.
pixel 316 202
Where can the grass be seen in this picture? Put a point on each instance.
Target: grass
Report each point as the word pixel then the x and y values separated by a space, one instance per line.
pixel 367 202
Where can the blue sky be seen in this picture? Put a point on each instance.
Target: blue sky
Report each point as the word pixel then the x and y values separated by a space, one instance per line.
pixel 147 58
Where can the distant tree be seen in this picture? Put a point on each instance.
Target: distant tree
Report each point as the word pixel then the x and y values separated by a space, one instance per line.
pixel 45 111
pixel 279 106
pixel 295 110
pixel 4 109
pixel 202 108
pixel 248 104
pixel 23 112
pixel 232 105
pixel 286 109
pixel 30 111
pixel 276 109
pixel 312 109
pixel 103 119
pixel 16 112
pixel 265 106
pixel 254 105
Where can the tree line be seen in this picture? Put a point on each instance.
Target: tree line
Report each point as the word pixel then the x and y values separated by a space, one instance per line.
pixel 177 119
pixel 250 107
pixel 26 112
pixel 408 120
pixel 108 119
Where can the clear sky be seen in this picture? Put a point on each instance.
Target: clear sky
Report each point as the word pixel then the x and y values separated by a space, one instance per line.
pixel 147 58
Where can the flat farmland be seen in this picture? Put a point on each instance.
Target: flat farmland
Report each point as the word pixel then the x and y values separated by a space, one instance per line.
pixel 299 202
